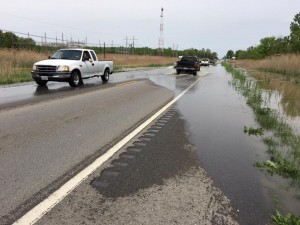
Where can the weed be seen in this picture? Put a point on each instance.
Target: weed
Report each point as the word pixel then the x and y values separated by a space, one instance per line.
pixel 288 219
pixel 253 131
pixel 279 165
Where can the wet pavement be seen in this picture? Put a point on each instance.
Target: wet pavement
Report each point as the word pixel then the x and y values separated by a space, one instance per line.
pixel 26 93
pixel 216 115
pixel 213 116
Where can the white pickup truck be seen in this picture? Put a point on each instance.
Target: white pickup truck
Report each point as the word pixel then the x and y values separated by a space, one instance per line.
pixel 71 65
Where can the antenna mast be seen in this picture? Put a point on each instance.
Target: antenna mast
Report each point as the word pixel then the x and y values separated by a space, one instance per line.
pixel 161 36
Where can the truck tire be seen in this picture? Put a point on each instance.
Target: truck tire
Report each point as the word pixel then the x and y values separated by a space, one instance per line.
pixel 41 83
pixel 105 76
pixel 194 73
pixel 75 79
pixel 178 71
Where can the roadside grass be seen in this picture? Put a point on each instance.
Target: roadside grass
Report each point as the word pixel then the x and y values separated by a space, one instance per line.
pixel 16 65
pixel 287 65
pixel 282 142
pixel 289 219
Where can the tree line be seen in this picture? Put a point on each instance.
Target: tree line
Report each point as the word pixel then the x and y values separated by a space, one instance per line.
pixel 10 40
pixel 272 45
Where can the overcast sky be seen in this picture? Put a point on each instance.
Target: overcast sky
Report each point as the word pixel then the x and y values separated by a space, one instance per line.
pixel 215 24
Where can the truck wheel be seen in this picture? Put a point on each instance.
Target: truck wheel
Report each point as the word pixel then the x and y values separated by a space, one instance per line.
pixel 195 73
pixel 178 71
pixel 105 76
pixel 41 83
pixel 75 79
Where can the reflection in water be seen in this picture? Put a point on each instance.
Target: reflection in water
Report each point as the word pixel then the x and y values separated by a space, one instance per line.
pixel 41 90
pixel 289 91
pixel 282 95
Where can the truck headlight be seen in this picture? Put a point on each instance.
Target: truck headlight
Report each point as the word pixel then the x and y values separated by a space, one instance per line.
pixel 34 68
pixel 63 68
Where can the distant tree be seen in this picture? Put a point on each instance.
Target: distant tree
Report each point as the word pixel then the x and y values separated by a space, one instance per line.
pixel 295 33
pixel 25 42
pixel 8 40
pixel 239 54
pixel 229 54
pixel 191 52
pixel 214 55
pixel 266 46
pixel 282 45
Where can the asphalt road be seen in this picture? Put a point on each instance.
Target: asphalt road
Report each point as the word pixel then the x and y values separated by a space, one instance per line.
pixel 44 143
pixel 179 170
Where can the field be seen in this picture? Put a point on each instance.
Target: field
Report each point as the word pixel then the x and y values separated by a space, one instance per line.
pixel 15 65
pixel 287 65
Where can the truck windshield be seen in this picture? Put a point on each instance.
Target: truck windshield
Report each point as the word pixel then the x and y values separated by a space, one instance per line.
pixel 67 54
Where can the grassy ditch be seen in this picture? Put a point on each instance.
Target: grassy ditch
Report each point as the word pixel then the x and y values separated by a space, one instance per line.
pixel 16 65
pixel 282 142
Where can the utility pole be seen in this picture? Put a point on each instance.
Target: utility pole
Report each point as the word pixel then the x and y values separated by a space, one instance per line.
pixel 126 45
pixel 104 50
pixel 133 39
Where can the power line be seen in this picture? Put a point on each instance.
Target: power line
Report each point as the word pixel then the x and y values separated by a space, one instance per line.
pixel 44 38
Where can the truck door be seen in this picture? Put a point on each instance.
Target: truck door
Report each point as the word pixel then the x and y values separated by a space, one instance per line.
pixel 87 67
pixel 94 64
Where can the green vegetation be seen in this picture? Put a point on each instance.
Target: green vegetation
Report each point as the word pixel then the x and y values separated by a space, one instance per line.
pixel 273 45
pixel 282 142
pixel 17 77
pixel 289 219
pixel 253 131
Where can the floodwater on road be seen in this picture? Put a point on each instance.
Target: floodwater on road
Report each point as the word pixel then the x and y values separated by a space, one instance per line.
pixel 216 115
pixel 282 92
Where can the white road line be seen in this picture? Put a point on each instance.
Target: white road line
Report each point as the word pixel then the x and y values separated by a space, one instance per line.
pixel 46 205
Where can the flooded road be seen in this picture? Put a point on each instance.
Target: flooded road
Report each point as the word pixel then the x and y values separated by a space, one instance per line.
pixel 212 116
pixel 216 115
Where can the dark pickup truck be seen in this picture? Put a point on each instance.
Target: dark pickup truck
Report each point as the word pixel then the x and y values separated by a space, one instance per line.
pixel 187 64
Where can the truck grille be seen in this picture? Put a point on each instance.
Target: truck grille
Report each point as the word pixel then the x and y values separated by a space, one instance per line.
pixel 42 68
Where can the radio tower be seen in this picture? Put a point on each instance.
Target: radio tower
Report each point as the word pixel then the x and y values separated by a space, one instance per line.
pixel 161 36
